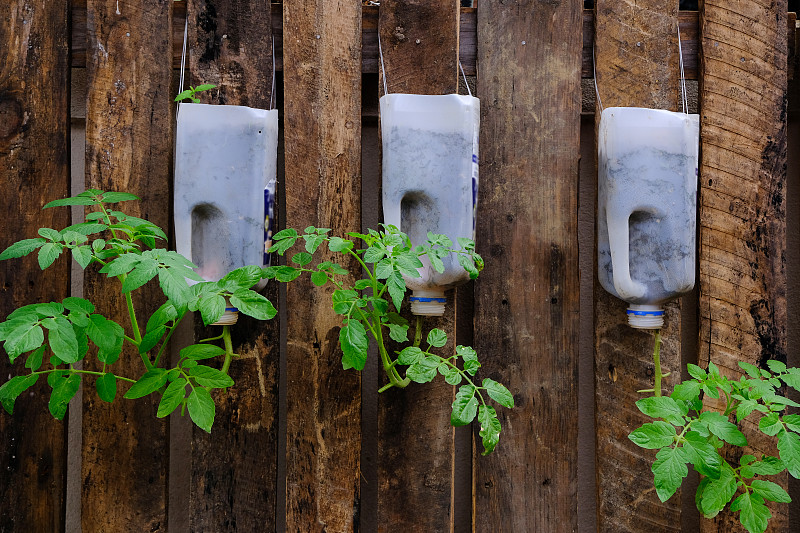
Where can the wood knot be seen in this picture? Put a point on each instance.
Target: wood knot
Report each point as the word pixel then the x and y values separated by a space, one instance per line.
pixel 11 117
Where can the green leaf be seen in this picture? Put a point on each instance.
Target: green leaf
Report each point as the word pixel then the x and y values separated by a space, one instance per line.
pixel 792 422
pixel 465 406
pixel 343 300
pixel 63 392
pixel 121 265
pixel 337 244
pixel 51 234
pixel 374 254
pixel 141 274
pixel 174 286
pixel 397 332
pixel 752 370
pixel 409 264
pixel 302 258
pixel 24 338
pixel 151 381
pixel 770 424
pixel 686 391
pixel 212 306
pixel 286 274
pixel 114 197
pixel 103 332
pixel 48 254
pixel 753 514
pixel 161 316
pixel 397 289
pixel 21 248
pixel 313 242
pixel 662 407
pixel 498 392
pixel 437 338
pixel 718 492
pixel 768 466
pixel 11 389
pixel 702 454
pixel 34 361
pixel 653 435
pixel 384 269
pixel 696 372
pixel 78 305
pixel 669 469
pixel 409 355
pixel 253 304
pixel 201 408
pixel 451 375
pixel 75 200
pixel 424 370
pixel 777 367
pixel 319 278
pixel 201 351
pixel 490 428
pixel 285 234
pixel 210 377
pixel 722 428
pixel 107 387
pixel 63 341
pixel 353 339
pixel 173 396
pixel 151 338
pixel 82 255
pixel 769 490
pixel 789 449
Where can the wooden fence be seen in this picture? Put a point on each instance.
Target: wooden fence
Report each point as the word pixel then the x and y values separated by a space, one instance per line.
pixel 299 444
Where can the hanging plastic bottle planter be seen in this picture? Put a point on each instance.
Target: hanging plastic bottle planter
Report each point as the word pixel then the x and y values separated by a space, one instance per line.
pixel 647 189
pixel 430 180
pixel 225 181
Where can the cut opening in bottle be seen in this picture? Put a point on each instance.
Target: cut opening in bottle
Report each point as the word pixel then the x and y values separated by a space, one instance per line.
pixel 209 233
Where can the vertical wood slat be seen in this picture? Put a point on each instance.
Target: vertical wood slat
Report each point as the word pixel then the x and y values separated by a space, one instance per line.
pixel 34 169
pixel 128 148
pixel 527 298
pixel 742 201
pixel 637 65
pixel 415 439
pixel 229 45
pixel 322 132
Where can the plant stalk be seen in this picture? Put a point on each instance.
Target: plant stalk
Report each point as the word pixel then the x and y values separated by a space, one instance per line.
pixel 226 336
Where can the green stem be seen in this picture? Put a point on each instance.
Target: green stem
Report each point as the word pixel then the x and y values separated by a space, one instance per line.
pixel 657 362
pixel 166 341
pixel 226 335
pixel 76 371
pixel 418 332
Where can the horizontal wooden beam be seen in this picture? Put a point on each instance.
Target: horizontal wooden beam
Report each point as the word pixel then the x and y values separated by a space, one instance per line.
pixel 369 57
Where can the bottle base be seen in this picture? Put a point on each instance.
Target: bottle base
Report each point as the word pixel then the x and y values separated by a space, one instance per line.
pixel 646 316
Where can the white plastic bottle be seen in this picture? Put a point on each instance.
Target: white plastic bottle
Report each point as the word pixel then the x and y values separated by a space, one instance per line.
pixel 430 180
pixel 646 215
pixel 225 173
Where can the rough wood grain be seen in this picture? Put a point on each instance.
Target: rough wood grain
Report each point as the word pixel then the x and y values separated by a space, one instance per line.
pixel 415 439
pixel 637 65
pixel 322 105
pixel 234 468
pixel 742 202
pixel 527 298
pixel 128 148
pixel 34 169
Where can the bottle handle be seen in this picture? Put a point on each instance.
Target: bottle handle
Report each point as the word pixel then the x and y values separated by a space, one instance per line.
pixel 618 236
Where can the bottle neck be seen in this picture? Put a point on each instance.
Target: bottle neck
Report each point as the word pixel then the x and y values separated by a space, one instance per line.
pixel 645 316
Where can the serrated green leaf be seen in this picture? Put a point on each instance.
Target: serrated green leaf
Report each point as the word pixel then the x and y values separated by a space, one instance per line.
pixel 78 305
pixel 768 466
pixel 770 491
pixel 151 338
pixel 241 278
pixel 114 197
pixel 653 435
pixel 161 316
pixel 752 370
pixel 337 244
pixel 121 265
pixel 319 278
pixel 143 272
pixel 286 274
pixel 285 234
pixel 82 255
pixel 465 406
pixel 397 332
pixel 106 386
pixel 201 351
pixel 22 248
pixel 63 392
pixel 173 396
pixel 302 258
pixel 789 450
pixel 770 424
pixel 313 242
pixel 103 332
pixel 498 392
pixel 669 469
pixel 451 375
pixel 151 381
pixel 34 361
pixel 696 372
pixel 374 254
pixel 210 377
pixel 663 407
pixel 686 391
pixel 753 514
pixel 353 340
pixel 409 264
pixel 792 422
pixel 718 492
pixel 424 370
pixel 201 408
pixel 744 409
pixel 702 454
pixel 722 428
pixel 11 389
pixel 409 355
pixel 75 200
pixel 776 366
pixel 174 286
pixel 490 428
pixel 384 269
pixel 23 339
pixel 62 341
pixel 51 234
pixel 437 337
pixel 343 300
pixel 48 254
pixel 253 304
pixel 212 307
pixel 397 289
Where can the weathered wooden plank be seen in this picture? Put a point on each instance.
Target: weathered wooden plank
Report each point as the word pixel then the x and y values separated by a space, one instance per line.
pixel 322 105
pixel 128 148
pixel 742 201
pixel 637 65
pixel 229 46
pixel 526 300
pixel 415 439
pixel 34 169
